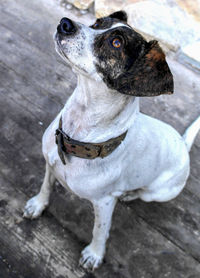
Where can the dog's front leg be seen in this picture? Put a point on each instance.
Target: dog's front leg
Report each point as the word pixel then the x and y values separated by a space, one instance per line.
pixel 92 255
pixel 35 206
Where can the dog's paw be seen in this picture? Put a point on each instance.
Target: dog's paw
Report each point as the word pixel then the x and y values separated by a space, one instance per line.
pixel 89 259
pixel 34 207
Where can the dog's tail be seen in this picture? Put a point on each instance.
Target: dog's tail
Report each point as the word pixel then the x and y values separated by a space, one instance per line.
pixel 191 133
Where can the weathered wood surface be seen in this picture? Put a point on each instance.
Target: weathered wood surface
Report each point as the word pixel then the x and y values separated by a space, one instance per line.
pixel 146 240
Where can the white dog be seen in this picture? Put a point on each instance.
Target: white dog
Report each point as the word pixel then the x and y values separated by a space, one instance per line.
pixel 105 148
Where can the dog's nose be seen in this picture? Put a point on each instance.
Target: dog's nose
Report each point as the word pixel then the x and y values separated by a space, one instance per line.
pixel 66 27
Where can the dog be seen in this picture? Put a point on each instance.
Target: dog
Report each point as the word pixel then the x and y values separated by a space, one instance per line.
pixel 100 146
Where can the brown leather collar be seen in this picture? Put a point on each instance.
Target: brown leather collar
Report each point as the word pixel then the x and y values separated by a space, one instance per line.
pixel 73 147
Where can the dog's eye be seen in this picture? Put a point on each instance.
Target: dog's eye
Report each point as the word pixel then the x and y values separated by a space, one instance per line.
pixel 116 43
pixel 96 25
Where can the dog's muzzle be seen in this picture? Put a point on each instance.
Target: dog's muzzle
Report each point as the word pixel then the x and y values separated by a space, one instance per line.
pixel 66 27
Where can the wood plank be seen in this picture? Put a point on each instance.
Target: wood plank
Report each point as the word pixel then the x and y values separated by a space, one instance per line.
pixel 177 220
pixel 38 29
pixel 194 161
pixel 6 270
pixel 39 16
pixel 34 248
pixel 38 26
pixel 35 67
pixel 27 97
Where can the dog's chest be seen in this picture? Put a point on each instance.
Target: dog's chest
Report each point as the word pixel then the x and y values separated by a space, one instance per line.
pixel 86 178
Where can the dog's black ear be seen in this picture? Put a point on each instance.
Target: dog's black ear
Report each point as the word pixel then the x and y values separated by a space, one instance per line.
pixel 148 76
pixel 121 15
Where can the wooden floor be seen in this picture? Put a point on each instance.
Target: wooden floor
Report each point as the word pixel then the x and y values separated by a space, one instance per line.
pixel 147 239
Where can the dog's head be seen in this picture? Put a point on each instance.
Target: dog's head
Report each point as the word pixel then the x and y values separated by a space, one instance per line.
pixel 111 50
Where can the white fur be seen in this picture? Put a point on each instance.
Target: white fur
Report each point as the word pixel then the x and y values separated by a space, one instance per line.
pixel 191 133
pixel 152 163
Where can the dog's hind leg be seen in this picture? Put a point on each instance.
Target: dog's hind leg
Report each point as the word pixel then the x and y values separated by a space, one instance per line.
pixel 92 255
pixel 166 187
pixel 35 206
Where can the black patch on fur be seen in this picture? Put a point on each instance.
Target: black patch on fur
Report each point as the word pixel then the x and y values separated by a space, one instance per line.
pixel 108 21
pixel 136 68
pixel 103 23
pixel 121 15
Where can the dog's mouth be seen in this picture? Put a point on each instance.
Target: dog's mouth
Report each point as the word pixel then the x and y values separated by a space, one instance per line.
pixel 59 44
pixel 58 39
